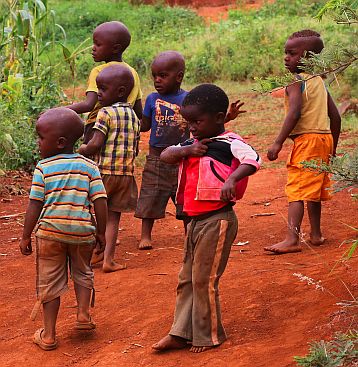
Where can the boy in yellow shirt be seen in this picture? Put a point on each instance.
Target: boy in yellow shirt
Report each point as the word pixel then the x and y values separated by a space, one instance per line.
pixel 313 123
pixel 110 40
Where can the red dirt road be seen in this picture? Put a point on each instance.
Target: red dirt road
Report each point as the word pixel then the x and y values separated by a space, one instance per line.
pixel 269 314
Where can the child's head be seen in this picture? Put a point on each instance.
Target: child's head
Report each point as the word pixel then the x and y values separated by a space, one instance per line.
pixel 110 40
pixel 204 108
pixel 58 129
pixel 168 71
pixel 114 84
pixel 298 45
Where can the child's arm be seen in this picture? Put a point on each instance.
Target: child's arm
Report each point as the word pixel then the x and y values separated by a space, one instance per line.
pixel 94 145
pixel 174 154
pixel 85 106
pixel 100 208
pixel 294 113
pixel 335 122
pixel 32 215
pixel 234 111
pixel 145 123
pixel 138 108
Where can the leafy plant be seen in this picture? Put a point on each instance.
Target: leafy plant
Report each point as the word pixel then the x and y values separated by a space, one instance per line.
pixel 341 351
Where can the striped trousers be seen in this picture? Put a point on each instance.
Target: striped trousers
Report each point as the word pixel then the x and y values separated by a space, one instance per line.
pixel 206 252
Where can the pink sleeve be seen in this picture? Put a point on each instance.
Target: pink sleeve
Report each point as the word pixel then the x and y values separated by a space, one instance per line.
pixel 245 153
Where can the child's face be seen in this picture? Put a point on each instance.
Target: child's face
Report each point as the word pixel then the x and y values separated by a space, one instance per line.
pixel 294 51
pixel 47 139
pixel 166 78
pixel 102 49
pixel 109 92
pixel 203 124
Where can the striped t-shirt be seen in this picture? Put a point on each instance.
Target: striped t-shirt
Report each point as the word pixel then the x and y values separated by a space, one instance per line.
pixel 121 126
pixel 66 184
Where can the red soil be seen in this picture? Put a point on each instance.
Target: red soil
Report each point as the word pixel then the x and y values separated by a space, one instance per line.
pixel 269 314
pixel 215 10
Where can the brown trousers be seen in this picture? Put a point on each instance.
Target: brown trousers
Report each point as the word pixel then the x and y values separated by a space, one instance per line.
pixel 206 252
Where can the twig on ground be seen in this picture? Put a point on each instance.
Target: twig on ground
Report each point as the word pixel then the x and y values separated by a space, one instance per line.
pixel 157 274
pixel 12 215
pixel 262 215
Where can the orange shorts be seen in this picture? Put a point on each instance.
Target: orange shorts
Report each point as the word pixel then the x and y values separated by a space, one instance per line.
pixel 302 183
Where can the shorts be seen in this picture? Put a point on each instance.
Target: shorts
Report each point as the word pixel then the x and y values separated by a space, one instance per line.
pixel 52 262
pixel 122 192
pixel 302 183
pixel 159 184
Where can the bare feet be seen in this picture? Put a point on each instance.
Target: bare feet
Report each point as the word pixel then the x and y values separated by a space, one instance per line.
pixel 284 247
pixel 113 266
pixel 97 258
pixel 317 241
pixel 145 245
pixel 170 342
pixel 194 349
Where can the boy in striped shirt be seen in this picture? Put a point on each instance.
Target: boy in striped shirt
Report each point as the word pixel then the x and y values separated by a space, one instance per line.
pixel 115 143
pixel 64 184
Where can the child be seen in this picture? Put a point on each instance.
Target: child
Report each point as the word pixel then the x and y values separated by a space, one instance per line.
pixel 161 116
pixel 63 186
pixel 313 123
pixel 214 167
pixel 110 40
pixel 115 139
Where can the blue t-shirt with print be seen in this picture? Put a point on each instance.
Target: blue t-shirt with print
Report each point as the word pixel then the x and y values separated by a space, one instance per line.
pixel 168 126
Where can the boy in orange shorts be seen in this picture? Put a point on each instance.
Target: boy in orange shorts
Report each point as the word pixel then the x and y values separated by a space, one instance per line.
pixel 313 123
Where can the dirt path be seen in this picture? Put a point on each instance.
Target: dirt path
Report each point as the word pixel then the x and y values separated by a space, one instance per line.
pixel 269 314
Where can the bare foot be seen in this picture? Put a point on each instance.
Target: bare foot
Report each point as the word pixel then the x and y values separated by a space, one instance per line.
pixel 96 258
pixel 145 245
pixel 113 266
pixel 317 241
pixel 194 349
pixel 170 342
pixel 284 247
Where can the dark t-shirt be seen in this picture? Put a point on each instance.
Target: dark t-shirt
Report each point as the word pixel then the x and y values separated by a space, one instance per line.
pixel 168 126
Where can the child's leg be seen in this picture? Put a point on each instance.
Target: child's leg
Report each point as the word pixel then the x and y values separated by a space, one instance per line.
pixel 109 265
pixel 50 317
pixel 83 296
pixel 213 239
pixel 314 213
pixel 292 241
pixel 146 236
pixel 181 330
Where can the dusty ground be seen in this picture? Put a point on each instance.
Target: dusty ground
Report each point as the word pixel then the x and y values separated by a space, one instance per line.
pixel 269 314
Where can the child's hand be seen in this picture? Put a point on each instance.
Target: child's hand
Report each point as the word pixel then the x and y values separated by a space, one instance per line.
pixel 234 110
pixel 199 148
pixel 100 243
pixel 228 191
pixel 272 153
pixel 26 247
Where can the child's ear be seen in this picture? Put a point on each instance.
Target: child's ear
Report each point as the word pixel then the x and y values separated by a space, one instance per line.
pixel 220 118
pixel 122 91
pixel 61 142
pixel 180 76
pixel 117 48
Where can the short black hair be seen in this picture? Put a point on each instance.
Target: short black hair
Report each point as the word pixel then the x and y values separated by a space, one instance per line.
pixel 208 96
pixel 312 39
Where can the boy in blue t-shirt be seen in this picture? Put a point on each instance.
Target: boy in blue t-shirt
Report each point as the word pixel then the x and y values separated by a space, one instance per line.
pixel 162 116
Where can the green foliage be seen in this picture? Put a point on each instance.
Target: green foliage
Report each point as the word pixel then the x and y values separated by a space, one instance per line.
pixel 28 79
pixel 341 351
pixel 344 170
pixel 247 45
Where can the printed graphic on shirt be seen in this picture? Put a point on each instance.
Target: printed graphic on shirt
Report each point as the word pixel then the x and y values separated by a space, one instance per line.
pixel 167 116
